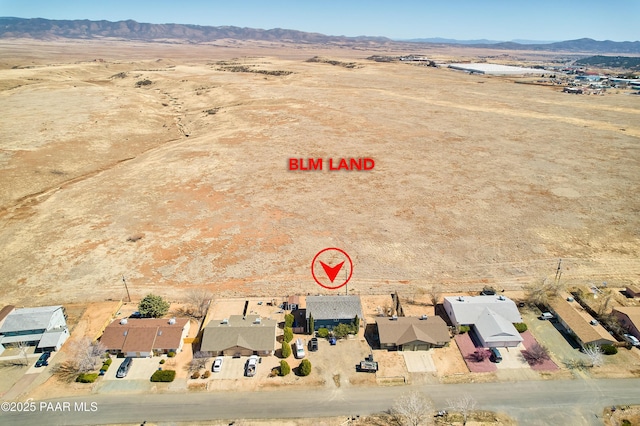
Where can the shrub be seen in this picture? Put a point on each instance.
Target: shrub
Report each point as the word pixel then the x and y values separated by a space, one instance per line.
pixel 163 376
pixel 104 367
pixel 521 327
pixel 342 330
pixel 286 350
pixel 284 368
pixel 288 320
pixel 609 349
pixel 312 324
pixel 323 333
pixel 305 367
pixel 479 355
pixel 464 329
pixel 171 354
pixel 206 374
pixel 87 377
pixel 162 361
pixel 288 334
pixel 108 361
pixel 195 375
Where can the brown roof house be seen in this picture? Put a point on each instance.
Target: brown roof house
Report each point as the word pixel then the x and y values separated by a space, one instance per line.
pixel 412 333
pixel 579 323
pixel 144 337
pixel 240 336
pixel 629 318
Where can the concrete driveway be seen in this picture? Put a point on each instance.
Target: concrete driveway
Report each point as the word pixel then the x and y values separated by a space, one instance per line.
pixel 419 361
pixel 512 358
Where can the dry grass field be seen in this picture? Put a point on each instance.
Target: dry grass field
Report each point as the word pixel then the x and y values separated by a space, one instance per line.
pixel 182 182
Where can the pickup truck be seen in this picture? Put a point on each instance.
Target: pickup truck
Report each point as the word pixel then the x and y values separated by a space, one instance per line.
pixel 250 366
pixel 368 365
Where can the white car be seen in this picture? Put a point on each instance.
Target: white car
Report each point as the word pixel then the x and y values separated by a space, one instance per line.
pixel 217 364
pixel 632 339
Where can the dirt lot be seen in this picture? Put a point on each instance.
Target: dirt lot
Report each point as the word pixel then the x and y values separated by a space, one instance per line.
pixel 183 182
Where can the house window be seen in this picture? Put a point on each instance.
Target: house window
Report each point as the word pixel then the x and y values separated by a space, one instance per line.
pixel 335 320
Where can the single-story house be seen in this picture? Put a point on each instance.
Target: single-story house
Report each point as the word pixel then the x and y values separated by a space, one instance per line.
pixel 629 318
pixel 3 314
pixel 145 337
pixel 329 311
pixel 491 317
pixel 577 324
pixel 412 333
pixel 240 336
pixel 44 327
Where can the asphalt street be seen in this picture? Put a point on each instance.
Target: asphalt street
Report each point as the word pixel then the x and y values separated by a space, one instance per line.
pixel 567 402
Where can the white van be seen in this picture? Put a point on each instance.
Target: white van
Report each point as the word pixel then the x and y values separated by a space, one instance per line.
pixel 299 348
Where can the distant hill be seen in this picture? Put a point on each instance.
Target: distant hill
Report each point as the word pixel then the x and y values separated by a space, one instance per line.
pixel 46 29
pixel 626 62
pixel 39 28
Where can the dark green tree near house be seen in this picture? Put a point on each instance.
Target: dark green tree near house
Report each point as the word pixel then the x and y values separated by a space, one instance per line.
pixel 311 324
pixel 288 334
pixel 286 350
pixel 153 306
pixel 288 320
pixel 284 368
pixel 305 367
pixel 356 323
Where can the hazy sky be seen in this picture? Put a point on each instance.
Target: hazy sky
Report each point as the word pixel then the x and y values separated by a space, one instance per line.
pixel 401 19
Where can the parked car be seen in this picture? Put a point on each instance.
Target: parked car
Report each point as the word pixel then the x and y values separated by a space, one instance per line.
pixel 124 368
pixel 217 364
pixel 495 356
pixel 299 348
pixel 43 361
pixel 251 365
pixel 313 344
pixel 631 339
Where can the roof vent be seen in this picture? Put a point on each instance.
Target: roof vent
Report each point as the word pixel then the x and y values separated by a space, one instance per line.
pixel 258 320
pixel 394 318
pixel 461 298
pixel 123 321
pixel 172 321
pixel 225 321
pixel 501 297
pixel 423 317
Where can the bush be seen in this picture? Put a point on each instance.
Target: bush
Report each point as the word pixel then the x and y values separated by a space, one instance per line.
pixel 288 320
pixel 105 367
pixel 195 375
pixel 288 334
pixel 163 376
pixel 206 374
pixel 162 361
pixel 521 327
pixel 171 354
pixel 305 367
pixel 464 329
pixel 342 330
pixel 108 361
pixel 153 306
pixel 323 333
pixel 609 349
pixel 87 377
pixel 286 350
pixel 284 368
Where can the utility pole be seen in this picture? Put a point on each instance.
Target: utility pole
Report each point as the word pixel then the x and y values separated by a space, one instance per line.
pixel 558 271
pixel 126 288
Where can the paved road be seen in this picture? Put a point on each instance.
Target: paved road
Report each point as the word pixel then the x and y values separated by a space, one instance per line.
pixel 566 402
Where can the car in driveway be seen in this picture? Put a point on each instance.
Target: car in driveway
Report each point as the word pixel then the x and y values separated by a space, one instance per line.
pixel 495 355
pixel 313 344
pixel 124 368
pixel 217 364
pixel 43 361
pixel 631 339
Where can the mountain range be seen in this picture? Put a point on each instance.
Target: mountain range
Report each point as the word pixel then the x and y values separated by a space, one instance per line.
pixel 46 29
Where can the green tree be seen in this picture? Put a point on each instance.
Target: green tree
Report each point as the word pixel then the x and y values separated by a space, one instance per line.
pixel 288 334
pixel 286 350
pixel 284 368
pixel 356 323
pixel 288 320
pixel 311 324
pixel 153 306
pixel 341 330
pixel 305 367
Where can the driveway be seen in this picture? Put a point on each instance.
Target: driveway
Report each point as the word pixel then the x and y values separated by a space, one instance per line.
pixel 512 358
pixel 419 361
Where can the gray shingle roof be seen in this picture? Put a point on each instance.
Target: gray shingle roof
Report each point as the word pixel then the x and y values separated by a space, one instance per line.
pixel 333 307
pixel 25 319
pixel 245 333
